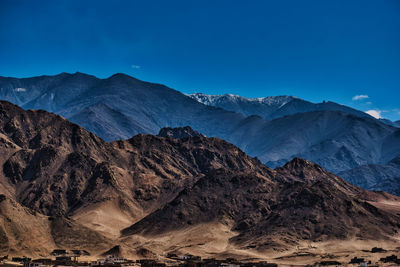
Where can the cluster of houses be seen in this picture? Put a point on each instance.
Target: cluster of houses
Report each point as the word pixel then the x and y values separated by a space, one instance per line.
pixel 361 262
pixel 70 258
pixel 196 261
pixel 63 257
pixel 66 260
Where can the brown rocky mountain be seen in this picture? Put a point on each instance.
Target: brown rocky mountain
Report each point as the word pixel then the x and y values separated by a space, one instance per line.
pixel 57 168
pixel 62 186
pixel 267 209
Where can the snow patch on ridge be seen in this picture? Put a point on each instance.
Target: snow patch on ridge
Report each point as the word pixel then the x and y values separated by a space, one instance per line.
pixel 213 99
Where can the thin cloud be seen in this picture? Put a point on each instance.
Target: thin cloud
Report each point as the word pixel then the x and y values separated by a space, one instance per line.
pixel 360 97
pixel 396 110
pixel 135 66
pixel 377 114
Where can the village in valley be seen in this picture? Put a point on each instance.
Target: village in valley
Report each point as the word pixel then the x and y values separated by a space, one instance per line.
pixel 62 257
pixel 73 258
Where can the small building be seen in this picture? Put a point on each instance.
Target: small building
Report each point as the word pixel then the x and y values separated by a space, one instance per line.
pixel 377 250
pixel 59 252
pixel 63 260
pixel 389 259
pixel 32 264
pixel 21 259
pixel 189 257
pixel 150 263
pixel 172 256
pixel 356 260
pixel 43 261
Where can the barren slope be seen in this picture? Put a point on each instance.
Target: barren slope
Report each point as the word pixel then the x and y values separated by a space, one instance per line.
pixel 72 189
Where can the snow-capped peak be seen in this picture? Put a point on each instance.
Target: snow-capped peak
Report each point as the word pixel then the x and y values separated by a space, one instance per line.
pixel 212 100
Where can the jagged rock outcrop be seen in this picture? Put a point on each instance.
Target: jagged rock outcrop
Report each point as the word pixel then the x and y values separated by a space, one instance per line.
pixel 179 132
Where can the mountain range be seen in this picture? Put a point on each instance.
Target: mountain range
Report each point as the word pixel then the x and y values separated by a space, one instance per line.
pixel 271 107
pixel 63 187
pixel 273 129
pixel 384 176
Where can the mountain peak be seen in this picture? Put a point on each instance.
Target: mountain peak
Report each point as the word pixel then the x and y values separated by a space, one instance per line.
pixel 303 169
pixel 395 161
pixel 120 75
pixel 299 164
pixel 179 132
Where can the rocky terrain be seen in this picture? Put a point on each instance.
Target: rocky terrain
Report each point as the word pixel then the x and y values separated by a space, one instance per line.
pixel 63 187
pixel 179 132
pixel 58 169
pixel 121 106
pixel 274 209
pixel 273 129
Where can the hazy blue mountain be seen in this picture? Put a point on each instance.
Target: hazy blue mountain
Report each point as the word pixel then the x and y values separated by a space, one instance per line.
pixel 334 139
pixel 117 107
pixel 271 107
pixel 337 137
pixel 384 177
pixel 391 123
pixel 46 92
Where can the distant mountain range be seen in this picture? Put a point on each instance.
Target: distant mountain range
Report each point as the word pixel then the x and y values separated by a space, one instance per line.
pixel 384 177
pixel 63 187
pixel 273 129
pixel 271 107
pixel 391 123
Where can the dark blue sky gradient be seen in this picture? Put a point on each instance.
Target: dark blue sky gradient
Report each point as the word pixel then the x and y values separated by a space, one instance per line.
pixel 316 50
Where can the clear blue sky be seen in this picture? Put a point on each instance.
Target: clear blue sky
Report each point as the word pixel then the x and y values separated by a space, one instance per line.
pixel 316 50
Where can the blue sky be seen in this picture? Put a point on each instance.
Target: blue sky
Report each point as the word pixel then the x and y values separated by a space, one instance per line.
pixel 315 50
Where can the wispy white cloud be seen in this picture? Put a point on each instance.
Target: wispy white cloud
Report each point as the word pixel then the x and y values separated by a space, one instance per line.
pixel 20 89
pixel 135 66
pixel 360 97
pixel 377 114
